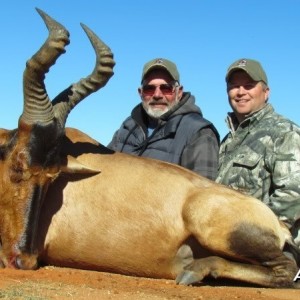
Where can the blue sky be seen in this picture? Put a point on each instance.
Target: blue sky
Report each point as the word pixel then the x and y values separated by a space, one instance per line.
pixel 203 37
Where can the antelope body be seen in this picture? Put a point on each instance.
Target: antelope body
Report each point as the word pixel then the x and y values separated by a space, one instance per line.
pixel 67 200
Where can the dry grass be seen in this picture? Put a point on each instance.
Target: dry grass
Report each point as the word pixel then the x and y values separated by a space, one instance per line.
pixel 30 290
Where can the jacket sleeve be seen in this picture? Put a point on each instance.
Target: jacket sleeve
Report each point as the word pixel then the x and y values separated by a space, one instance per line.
pixel 285 168
pixel 201 154
pixel 113 143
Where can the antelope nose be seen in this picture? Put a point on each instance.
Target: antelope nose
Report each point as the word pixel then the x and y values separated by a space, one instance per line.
pixel 26 262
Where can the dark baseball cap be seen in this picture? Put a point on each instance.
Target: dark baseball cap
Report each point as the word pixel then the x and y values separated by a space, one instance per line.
pixel 252 67
pixel 161 63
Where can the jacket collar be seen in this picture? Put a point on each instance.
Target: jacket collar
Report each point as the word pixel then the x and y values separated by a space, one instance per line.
pixel 251 119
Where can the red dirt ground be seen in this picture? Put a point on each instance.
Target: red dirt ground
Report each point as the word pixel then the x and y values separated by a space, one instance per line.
pixel 63 283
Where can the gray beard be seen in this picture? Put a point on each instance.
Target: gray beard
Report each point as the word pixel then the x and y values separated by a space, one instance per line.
pixel 157 113
pixel 154 113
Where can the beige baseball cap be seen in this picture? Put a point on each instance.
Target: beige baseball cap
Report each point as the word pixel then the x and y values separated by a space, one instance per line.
pixel 252 67
pixel 161 63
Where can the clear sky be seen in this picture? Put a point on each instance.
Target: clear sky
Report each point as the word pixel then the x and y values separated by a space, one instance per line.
pixel 203 37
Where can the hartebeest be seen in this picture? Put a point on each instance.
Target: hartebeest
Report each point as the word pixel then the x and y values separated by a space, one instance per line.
pixel 67 200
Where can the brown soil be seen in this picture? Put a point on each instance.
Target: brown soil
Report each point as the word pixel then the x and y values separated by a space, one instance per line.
pixel 64 283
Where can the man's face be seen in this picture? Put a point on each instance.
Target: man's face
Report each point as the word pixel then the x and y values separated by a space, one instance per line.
pixel 246 95
pixel 159 93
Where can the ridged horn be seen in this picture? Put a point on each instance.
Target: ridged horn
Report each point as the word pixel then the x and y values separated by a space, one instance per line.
pixel 37 106
pixel 101 74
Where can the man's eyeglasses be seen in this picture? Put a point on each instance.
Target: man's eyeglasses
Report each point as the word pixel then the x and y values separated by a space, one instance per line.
pixel 166 89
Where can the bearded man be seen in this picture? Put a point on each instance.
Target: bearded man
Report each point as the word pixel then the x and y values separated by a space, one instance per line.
pixel 167 124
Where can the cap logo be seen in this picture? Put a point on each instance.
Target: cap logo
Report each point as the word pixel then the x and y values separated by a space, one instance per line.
pixel 242 63
pixel 159 61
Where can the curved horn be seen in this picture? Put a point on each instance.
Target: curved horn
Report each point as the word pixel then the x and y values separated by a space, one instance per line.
pixel 37 106
pixel 101 74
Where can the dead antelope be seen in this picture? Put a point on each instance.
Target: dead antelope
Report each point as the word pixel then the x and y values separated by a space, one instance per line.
pixel 67 200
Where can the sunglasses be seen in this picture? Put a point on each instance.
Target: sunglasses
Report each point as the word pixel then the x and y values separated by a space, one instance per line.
pixel 166 89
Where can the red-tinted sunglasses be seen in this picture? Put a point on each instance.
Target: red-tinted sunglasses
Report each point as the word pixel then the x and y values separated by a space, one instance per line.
pixel 166 89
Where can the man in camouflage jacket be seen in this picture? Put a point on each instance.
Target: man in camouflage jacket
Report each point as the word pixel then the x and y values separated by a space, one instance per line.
pixel 260 156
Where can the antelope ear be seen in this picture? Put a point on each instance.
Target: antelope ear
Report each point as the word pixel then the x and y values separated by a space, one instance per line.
pixel 4 136
pixel 73 166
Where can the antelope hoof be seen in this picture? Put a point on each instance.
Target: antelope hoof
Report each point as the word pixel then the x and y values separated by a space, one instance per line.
pixel 187 278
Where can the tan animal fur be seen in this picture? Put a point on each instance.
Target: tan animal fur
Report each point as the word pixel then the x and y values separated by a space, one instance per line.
pixel 68 201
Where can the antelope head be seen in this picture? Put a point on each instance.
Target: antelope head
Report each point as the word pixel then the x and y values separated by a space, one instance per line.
pixel 29 155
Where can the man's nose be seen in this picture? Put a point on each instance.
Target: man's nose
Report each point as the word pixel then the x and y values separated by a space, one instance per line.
pixel 241 89
pixel 157 92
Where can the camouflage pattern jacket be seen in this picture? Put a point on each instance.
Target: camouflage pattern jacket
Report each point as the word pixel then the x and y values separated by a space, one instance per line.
pixel 261 157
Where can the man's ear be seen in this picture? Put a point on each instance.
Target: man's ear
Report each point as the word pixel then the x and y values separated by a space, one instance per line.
pixel 180 91
pixel 140 92
pixel 267 94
